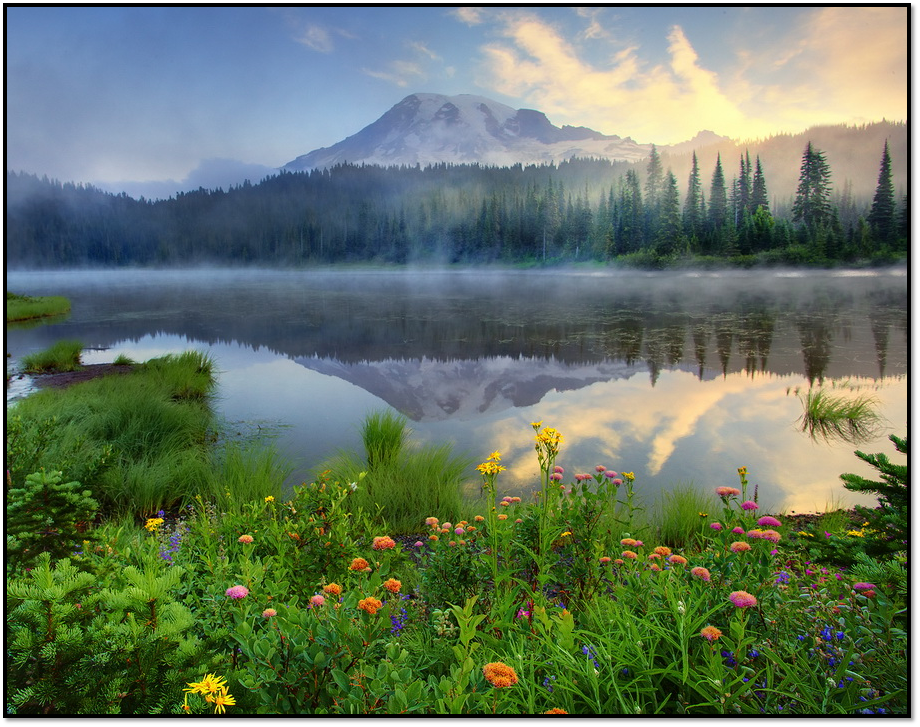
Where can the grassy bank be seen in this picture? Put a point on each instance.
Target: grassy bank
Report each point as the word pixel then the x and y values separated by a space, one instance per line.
pixel 24 307
pixel 578 600
pixel 140 441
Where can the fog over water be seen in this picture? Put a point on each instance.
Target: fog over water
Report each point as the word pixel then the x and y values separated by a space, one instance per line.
pixel 676 376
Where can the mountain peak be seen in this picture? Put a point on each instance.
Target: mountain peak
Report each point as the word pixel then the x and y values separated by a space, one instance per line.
pixel 431 128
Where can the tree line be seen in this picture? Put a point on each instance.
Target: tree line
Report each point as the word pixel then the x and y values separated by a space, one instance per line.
pixel 578 210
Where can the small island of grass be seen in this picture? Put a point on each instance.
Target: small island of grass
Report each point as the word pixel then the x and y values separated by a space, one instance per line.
pixel 24 307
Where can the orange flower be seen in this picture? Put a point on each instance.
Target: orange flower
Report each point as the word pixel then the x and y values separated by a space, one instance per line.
pixel 678 560
pixel 384 542
pixel 555 710
pixel 710 633
pixel 358 564
pixel 392 585
pixel 333 589
pixel 371 605
pixel 629 554
pixel 499 674
pixel 663 550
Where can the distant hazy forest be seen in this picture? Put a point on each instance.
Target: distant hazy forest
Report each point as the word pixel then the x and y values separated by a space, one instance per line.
pixel 784 200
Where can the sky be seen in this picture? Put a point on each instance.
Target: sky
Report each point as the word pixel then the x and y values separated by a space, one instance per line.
pixel 119 95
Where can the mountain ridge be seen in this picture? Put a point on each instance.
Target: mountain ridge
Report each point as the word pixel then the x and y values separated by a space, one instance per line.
pixel 430 128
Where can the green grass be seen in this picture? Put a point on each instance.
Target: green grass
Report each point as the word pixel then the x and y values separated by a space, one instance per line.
pixel 404 482
pixel 23 307
pixel 140 442
pixel 676 518
pixel 828 417
pixel 60 357
pixel 123 360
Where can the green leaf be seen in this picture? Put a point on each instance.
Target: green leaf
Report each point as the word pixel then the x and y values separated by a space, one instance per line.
pixel 341 679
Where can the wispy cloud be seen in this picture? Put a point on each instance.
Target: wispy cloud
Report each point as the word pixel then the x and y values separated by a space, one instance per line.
pixel 317 38
pixel 400 73
pixel 423 49
pixel 403 72
pixel 470 16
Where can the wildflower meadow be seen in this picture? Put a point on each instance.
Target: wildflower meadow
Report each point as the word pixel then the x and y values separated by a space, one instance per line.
pixel 567 601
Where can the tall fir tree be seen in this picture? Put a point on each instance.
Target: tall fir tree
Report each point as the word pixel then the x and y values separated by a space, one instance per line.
pixel 693 216
pixel 882 214
pixel 812 205
pixel 759 196
pixel 718 199
pixel 669 239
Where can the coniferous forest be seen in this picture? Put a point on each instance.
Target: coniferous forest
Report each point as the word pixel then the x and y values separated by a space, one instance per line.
pixel 575 211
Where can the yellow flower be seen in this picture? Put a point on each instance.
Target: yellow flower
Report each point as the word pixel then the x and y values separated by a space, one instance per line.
pixel 495 456
pixel 703 514
pixel 855 533
pixel 210 684
pixel 489 468
pixel 802 532
pixel 223 700
pixel 567 532
pixel 270 498
pixel 153 523
pixel 629 475
pixel 537 425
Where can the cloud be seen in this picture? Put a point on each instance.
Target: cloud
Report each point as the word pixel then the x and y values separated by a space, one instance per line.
pixel 470 16
pixel 646 102
pixel 423 49
pixel 316 38
pixel 400 73
pixel 404 72
pixel 784 82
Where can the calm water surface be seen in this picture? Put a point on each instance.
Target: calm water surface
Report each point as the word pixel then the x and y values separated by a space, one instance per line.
pixel 678 377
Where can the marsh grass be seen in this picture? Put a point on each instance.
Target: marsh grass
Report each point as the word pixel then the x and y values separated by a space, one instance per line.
pixel 830 417
pixel 24 307
pixel 139 441
pixel 60 357
pixel 404 482
pixel 247 472
pixel 676 516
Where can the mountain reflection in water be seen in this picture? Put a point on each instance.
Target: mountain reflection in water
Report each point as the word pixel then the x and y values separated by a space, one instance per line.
pixel 676 376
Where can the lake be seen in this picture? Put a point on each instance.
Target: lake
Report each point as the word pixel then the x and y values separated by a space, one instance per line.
pixel 679 377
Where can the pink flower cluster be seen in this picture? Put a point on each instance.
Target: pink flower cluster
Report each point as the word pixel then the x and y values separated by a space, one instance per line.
pixel 728 492
pixel 742 599
pixel 237 592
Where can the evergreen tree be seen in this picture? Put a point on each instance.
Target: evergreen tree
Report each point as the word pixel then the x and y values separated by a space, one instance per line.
pixel 890 521
pixel 693 217
pixel 654 181
pixel 759 196
pixel 812 205
pixel 630 228
pixel 670 239
pixel 718 200
pixel 882 214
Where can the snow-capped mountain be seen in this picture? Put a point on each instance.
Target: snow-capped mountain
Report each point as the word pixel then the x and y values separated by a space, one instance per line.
pixel 429 128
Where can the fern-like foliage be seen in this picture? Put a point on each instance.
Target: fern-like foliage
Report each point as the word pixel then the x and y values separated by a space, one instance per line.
pixel 890 521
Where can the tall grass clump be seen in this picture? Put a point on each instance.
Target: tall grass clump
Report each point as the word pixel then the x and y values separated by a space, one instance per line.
pixel 679 516
pixel 245 473
pixel 830 417
pixel 62 356
pixel 139 442
pixel 399 481
pixel 24 307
